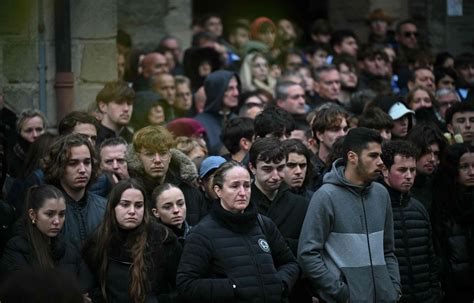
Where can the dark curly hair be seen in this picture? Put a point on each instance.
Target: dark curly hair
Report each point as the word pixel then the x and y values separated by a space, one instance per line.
pixel 397 147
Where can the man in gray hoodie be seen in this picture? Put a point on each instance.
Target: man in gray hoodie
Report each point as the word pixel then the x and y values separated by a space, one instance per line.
pixel 346 247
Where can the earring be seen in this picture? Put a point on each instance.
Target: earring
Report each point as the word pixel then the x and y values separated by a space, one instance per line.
pixel 33 221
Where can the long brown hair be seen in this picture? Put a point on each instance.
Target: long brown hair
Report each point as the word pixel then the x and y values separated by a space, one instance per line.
pixel 39 242
pixel 108 231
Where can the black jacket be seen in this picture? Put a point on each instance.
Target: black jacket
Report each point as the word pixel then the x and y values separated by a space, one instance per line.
pixel 18 254
pixel 454 230
pixel 422 190
pixel 82 217
pixel 414 250
pixel 161 274
pixel 230 258
pixel 104 133
pixel 287 210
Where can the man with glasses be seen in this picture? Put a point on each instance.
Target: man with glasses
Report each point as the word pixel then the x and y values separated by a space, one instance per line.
pixel 154 161
pixel 407 34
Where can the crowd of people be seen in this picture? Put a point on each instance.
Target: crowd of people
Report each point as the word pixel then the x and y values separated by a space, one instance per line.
pixel 252 167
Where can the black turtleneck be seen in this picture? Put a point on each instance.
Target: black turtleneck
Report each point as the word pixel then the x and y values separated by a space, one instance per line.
pixel 237 222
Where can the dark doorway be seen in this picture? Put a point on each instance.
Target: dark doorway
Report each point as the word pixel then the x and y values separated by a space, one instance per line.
pixel 302 12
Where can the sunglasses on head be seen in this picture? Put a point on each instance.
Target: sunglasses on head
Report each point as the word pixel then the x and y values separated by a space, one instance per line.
pixel 408 34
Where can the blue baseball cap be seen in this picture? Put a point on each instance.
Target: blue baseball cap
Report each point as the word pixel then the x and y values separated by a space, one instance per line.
pixel 210 163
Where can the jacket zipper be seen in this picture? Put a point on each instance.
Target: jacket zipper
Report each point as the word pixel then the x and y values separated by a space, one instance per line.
pixel 405 240
pixel 370 252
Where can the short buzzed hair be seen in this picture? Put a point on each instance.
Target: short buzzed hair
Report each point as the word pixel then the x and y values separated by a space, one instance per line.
pixel 281 89
pixel 115 141
pixel 323 69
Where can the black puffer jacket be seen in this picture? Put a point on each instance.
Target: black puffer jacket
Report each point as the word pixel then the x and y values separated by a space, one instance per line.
pixel 229 258
pixel 18 254
pixel 414 249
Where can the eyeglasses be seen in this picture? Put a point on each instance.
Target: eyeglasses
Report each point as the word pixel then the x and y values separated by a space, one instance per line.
pixel 408 34
pixel 151 155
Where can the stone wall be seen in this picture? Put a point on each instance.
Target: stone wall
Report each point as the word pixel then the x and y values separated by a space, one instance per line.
pixel 93 51
pixel 148 21
pixel 19 54
pixel 451 33
pixel 93 47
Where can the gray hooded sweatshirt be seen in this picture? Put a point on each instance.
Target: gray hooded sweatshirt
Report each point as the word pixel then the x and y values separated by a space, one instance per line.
pixel 346 247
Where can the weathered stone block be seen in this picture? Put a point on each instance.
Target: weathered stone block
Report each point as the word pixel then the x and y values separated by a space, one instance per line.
pixel 85 95
pixel 94 19
pixel 143 20
pixel 15 16
pixel 99 63
pixel 178 19
pixel 21 97
pixel 20 62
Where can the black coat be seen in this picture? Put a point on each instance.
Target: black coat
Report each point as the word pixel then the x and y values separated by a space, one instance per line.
pixel 18 255
pixel 161 273
pixel 414 250
pixel 287 210
pixel 229 258
pixel 454 230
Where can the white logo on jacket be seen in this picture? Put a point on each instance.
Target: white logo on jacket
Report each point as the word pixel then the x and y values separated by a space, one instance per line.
pixel 264 245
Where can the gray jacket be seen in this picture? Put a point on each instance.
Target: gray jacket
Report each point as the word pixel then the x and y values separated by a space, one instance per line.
pixel 346 247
